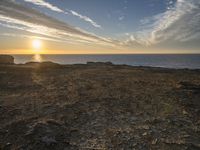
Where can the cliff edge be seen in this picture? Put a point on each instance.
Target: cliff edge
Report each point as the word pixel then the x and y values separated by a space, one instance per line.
pixel 6 59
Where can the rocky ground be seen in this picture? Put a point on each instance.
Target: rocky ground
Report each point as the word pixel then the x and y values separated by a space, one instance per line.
pixel 98 106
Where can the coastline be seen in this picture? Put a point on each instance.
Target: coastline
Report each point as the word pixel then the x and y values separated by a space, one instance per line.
pixel 166 61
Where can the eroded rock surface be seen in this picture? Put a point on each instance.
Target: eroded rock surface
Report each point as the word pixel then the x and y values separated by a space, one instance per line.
pixel 98 107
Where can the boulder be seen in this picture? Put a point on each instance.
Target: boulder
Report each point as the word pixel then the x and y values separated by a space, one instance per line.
pixel 6 59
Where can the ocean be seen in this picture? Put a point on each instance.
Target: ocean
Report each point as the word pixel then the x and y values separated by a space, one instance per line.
pixel 178 61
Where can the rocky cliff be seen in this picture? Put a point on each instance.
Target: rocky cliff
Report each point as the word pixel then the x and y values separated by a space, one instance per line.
pixel 6 59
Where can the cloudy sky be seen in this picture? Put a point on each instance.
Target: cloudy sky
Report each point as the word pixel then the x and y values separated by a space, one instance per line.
pixel 100 26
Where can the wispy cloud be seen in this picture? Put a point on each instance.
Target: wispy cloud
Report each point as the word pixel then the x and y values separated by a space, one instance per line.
pixel 178 24
pixel 85 18
pixel 42 3
pixel 48 5
pixel 30 37
pixel 32 21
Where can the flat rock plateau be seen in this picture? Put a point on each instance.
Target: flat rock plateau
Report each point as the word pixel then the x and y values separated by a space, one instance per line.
pixel 98 106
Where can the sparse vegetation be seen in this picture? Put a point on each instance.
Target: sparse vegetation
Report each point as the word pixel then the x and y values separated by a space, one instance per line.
pixel 101 106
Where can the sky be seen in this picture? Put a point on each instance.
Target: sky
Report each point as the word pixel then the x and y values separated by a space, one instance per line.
pixel 100 26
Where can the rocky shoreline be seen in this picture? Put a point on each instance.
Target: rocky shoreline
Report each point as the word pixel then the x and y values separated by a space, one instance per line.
pixel 6 59
pixel 98 106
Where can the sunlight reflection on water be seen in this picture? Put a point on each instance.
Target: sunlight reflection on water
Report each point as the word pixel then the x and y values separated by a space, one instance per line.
pixel 37 58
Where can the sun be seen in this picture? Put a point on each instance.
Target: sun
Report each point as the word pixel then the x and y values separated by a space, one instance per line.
pixel 37 44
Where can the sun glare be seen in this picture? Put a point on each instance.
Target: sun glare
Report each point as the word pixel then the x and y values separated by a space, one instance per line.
pixel 37 58
pixel 37 44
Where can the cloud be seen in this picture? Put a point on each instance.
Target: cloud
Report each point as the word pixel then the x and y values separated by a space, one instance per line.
pixel 85 18
pixel 42 3
pixel 16 16
pixel 178 25
pixel 30 37
pixel 45 4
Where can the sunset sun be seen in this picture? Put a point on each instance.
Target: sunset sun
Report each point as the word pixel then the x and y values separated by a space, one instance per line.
pixel 37 44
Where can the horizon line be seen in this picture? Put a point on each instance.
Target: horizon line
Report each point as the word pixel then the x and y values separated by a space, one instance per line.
pixel 106 54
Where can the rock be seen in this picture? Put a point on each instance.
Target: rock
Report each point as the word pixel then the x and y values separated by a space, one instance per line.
pixel 133 119
pixel 154 141
pixel 45 64
pixel 185 112
pixel 145 127
pixel 7 146
pixel 186 136
pixel 174 141
pixel 48 140
pixel 144 134
pixel 189 86
pixel 6 59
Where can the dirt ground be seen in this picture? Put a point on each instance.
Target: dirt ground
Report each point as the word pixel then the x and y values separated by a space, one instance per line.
pixel 98 106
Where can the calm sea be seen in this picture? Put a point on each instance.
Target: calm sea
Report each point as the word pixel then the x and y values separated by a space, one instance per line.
pixel 191 61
